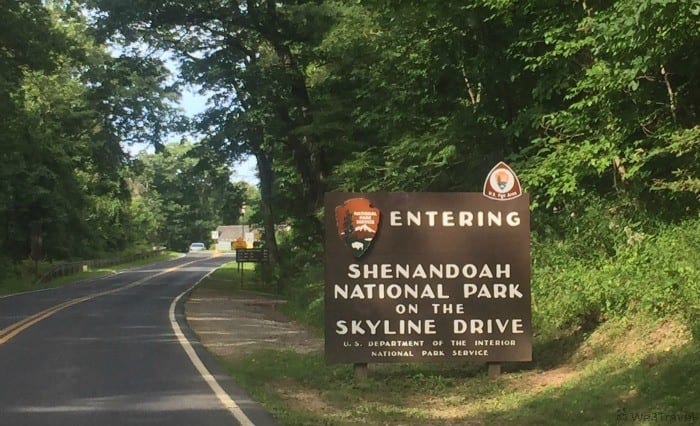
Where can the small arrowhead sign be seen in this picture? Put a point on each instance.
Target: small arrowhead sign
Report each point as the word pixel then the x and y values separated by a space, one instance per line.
pixel 502 183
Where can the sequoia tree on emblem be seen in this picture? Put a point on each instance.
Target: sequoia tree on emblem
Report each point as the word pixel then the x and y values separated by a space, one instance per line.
pixel 357 222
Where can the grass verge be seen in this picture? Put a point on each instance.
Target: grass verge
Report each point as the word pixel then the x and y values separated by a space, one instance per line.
pixel 637 370
pixel 621 350
pixel 228 278
pixel 26 281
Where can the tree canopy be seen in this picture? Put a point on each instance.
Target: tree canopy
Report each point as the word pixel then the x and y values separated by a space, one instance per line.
pixel 180 198
pixel 583 97
pixel 595 104
pixel 70 105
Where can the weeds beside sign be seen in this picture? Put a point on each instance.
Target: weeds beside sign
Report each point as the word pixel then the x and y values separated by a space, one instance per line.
pixel 417 277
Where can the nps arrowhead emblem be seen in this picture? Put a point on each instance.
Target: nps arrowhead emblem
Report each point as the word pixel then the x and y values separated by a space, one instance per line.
pixel 357 222
pixel 502 183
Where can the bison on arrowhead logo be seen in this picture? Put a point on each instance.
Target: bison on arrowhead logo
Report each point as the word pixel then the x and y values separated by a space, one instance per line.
pixel 357 222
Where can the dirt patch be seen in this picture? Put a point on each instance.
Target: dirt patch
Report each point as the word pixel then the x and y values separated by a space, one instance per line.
pixel 303 398
pixel 236 325
pixel 548 378
pixel 633 340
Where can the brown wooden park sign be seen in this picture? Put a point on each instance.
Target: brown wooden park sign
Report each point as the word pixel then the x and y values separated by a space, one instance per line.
pixel 429 277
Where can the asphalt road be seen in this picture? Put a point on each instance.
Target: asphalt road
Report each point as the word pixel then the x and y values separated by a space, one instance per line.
pixel 115 351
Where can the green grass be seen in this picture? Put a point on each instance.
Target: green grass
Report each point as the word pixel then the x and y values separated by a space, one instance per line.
pixel 228 278
pixel 624 369
pixel 25 280
pixel 617 343
pixel 616 390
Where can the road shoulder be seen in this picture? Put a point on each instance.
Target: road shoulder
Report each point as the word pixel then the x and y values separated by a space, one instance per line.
pixel 234 325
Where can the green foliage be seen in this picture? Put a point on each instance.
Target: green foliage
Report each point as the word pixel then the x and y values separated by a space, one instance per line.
pixel 59 177
pixel 305 297
pixel 595 104
pixel 654 273
pixel 67 106
pixel 301 276
pixel 22 276
pixel 630 109
pixel 180 196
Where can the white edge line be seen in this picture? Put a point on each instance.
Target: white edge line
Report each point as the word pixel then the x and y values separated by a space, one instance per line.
pixel 220 393
pixel 7 296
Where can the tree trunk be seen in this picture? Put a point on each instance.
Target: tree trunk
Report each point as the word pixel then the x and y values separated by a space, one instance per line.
pixel 266 182
pixel 36 244
pixel 307 153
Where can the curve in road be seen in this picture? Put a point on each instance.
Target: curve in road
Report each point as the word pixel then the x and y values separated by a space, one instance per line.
pixel 110 351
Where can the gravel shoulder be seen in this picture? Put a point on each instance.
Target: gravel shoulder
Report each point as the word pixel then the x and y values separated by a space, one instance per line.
pixel 235 325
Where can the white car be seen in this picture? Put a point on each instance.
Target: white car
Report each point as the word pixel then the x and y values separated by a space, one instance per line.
pixel 197 247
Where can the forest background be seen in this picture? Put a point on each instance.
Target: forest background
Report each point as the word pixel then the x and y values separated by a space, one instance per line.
pixel 595 104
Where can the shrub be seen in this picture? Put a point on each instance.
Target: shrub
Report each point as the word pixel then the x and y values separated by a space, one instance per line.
pixel 655 273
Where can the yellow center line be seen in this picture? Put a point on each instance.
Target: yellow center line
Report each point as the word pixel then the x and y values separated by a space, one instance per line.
pixel 13 330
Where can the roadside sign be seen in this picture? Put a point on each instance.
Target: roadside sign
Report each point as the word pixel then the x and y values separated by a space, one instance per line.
pixel 240 243
pixel 253 255
pixel 428 277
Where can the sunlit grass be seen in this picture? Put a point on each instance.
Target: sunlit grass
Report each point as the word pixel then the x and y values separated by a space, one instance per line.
pixel 633 369
pixel 232 279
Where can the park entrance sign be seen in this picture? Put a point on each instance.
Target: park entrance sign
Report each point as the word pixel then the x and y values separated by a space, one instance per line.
pixel 427 277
